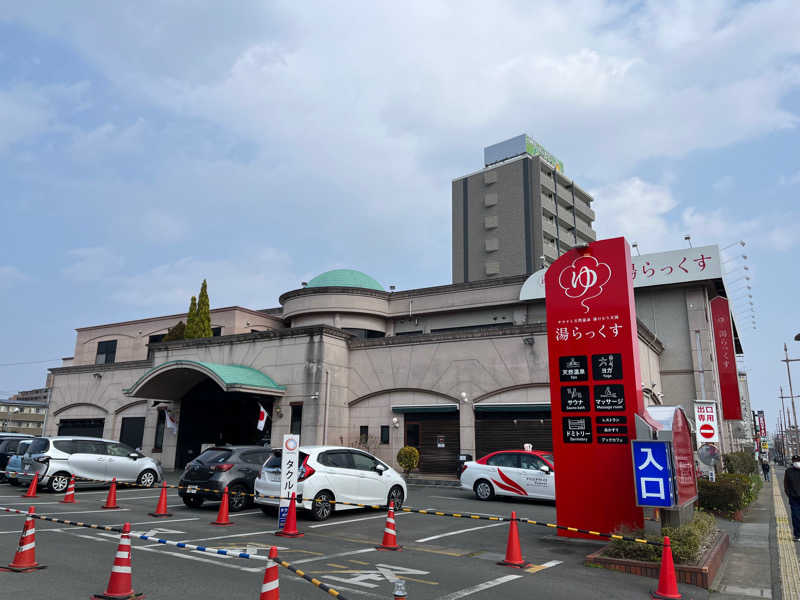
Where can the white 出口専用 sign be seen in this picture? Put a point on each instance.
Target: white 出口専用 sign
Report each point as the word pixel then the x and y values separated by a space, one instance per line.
pixel 706 423
pixel 660 268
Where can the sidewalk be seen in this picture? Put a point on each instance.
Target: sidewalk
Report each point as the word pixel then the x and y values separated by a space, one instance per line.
pixel 750 569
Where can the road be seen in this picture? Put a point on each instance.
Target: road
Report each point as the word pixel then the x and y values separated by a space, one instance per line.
pixel 443 558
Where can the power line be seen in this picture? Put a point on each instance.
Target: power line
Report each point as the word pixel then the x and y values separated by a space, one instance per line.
pixel 33 362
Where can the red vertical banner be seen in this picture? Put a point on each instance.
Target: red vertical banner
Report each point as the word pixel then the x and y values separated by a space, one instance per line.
pixel 595 386
pixel 685 476
pixel 726 359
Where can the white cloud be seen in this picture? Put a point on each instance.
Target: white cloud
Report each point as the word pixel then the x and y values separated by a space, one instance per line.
pixel 10 276
pixel 723 184
pixel 792 179
pixel 92 264
pixel 23 114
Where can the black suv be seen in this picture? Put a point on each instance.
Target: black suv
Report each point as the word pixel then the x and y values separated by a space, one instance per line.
pixel 8 448
pixel 233 466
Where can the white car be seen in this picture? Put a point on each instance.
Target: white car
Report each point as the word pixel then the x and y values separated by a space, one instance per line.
pixel 332 473
pixel 517 473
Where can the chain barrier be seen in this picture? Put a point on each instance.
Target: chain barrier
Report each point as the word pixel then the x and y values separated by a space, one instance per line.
pixel 183 545
pixel 382 507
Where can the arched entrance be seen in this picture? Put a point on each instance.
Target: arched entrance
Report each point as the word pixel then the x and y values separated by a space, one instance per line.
pixel 218 404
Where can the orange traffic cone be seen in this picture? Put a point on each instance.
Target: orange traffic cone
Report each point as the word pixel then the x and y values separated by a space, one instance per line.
pixel 389 532
pixel 290 526
pixel 31 493
pixel 161 509
pixel 270 589
pixel 222 515
pixel 69 497
pixel 667 583
pixel 513 550
pixel 119 584
pixel 111 500
pixel 400 590
pixel 25 558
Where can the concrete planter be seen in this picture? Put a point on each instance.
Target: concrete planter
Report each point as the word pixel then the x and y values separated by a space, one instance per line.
pixel 702 574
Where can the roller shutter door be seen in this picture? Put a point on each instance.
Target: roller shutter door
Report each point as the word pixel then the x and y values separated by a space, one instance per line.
pixel 82 427
pixel 433 430
pixel 511 430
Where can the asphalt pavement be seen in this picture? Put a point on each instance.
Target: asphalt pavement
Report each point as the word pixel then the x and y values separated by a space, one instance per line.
pixel 443 558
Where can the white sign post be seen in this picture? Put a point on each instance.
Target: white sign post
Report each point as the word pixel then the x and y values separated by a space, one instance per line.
pixel 290 459
pixel 706 423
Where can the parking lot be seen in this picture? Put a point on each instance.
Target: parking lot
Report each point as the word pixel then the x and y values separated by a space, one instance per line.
pixel 443 558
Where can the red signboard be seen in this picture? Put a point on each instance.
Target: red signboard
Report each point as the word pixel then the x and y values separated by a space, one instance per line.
pixel 726 360
pixel 762 425
pixel 595 386
pixel 684 458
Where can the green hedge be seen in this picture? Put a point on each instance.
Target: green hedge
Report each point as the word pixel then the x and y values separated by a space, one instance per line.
pixel 729 493
pixel 686 542
pixel 742 463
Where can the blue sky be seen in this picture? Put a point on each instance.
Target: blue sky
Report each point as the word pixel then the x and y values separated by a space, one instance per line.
pixel 145 147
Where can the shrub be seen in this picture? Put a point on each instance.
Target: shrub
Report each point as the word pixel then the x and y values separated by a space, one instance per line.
pixel 743 463
pixel 408 458
pixel 731 492
pixel 686 542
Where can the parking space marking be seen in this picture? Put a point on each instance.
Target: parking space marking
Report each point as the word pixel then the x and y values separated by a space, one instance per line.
pixel 72 512
pixel 480 587
pixel 459 532
pixel 201 559
pixel 353 520
pixel 547 565
pixel 337 555
pixel 225 537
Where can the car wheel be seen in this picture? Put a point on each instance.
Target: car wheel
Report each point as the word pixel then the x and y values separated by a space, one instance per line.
pixel 193 501
pixel 146 478
pixel 322 508
pixel 484 490
pixel 58 483
pixel 14 482
pixel 396 495
pixel 237 497
pixel 268 510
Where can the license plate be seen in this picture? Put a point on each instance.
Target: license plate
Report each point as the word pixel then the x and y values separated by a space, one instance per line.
pixel 274 476
pixel 192 489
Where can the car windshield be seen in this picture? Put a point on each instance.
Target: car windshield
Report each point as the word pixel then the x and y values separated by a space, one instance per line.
pixel 39 445
pixel 23 446
pixel 213 456
pixel 548 458
pixel 274 461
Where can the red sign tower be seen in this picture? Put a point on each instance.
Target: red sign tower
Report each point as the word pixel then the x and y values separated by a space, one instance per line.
pixel 595 386
pixel 726 359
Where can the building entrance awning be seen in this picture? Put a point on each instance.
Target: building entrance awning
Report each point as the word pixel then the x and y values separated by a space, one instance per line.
pixel 526 408
pixel 425 408
pixel 171 380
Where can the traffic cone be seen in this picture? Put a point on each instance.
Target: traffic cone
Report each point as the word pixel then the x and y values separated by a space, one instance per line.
pixel 513 550
pixel 31 493
pixel 222 515
pixel 25 558
pixel 270 589
pixel 400 590
pixel 667 583
pixel 119 584
pixel 69 497
pixel 389 532
pixel 161 509
pixel 111 500
pixel 290 526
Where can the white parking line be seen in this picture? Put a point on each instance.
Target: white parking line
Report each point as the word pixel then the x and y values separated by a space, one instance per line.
pixel 73 512
pixel 327 556
pixel 353 520
pixel 551 563
pixel 200 559
pixel 460 531
pixel 480 587
pixel 219 537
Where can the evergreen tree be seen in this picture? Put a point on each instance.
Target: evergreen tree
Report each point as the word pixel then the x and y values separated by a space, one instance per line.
pixel 203 313
pixel 177 332
pixel 191 321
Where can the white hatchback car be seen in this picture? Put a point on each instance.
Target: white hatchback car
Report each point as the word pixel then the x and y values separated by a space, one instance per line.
pixel 517 473
pixel 332 473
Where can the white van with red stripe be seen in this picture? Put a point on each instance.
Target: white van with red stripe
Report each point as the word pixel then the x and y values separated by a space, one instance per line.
pixel 517 473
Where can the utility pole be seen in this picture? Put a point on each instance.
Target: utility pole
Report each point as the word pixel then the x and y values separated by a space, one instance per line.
pixel 793 433
pixel 788 360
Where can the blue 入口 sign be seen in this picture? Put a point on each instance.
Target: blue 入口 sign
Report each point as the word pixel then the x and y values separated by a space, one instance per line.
pixel 652 472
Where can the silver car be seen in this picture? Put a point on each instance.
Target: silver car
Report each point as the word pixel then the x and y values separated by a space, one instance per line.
pixel 56 459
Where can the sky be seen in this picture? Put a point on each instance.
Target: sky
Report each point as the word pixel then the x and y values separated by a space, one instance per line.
pixel 146 146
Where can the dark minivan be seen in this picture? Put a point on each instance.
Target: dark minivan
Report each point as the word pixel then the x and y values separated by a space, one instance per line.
pixel 233 466
pixel 8 448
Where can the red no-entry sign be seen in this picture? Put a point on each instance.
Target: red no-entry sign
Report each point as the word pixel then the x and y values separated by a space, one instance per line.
pixel 707 431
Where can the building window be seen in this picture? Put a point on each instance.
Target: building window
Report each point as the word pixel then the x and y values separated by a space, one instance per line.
pixel 106 352
pixel 158 442
pixel 297 419
pixel 384 434
pixel 363 434
pixel 216 331
pixel 154 339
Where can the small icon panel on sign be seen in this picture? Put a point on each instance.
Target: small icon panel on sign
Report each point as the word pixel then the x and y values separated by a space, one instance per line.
pixel 577 430
pixel 573 368
pixel 612 439
pixel 606 366
pixel 611 420
pixel 609 397
pixel 575 398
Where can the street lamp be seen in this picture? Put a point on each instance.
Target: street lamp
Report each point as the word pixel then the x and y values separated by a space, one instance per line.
pixel 635 246
pixel 740 242
pixel 746 277
pixel 688 238
pixel 744 256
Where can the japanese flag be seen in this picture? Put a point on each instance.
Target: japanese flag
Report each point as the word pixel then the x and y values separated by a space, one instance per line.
pixel 262 418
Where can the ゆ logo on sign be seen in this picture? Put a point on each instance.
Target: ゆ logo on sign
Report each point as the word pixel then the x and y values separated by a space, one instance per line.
pixel 584 279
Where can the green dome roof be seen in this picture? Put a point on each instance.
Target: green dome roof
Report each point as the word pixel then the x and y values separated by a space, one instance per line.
pixel 345 278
